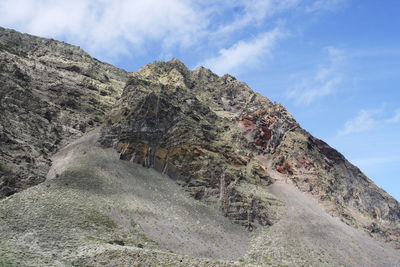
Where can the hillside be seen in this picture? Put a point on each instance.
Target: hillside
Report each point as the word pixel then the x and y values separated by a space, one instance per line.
pixel 50 92
pixel 170 166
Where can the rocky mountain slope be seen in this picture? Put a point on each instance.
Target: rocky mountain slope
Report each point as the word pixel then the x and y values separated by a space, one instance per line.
pixel 99 206
pixel 97 210
pixel 50 92
pixel 216 137
pixel 188 168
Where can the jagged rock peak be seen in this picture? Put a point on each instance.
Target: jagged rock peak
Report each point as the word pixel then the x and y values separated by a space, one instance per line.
pixel 163 72
pixel 208 86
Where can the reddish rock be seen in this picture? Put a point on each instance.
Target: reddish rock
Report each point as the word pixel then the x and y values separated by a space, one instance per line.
pixel 267 133
pixel 259 141
pixel 246 125
pixel 285 168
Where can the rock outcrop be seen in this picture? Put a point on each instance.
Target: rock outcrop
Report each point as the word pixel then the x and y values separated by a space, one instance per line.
pixel 162 122
pixel 50 92
pixel 219 139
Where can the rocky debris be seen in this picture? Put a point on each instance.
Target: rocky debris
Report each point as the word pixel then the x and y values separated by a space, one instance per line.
pixel 50 92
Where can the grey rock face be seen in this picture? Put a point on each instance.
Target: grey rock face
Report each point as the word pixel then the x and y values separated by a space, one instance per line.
pixel 50 92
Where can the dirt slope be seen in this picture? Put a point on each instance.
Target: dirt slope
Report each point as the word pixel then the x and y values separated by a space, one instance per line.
pixel 309 236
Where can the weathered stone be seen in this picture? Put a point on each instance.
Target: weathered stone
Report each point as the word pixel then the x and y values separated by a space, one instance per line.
pixel 48 95
pixel 164 120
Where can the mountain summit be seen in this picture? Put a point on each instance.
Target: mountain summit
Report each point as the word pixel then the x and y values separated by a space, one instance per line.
pixel 170 166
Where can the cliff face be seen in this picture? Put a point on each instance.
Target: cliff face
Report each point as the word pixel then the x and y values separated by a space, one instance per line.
pixel 221 141
pixel 50 92
pixel 166 120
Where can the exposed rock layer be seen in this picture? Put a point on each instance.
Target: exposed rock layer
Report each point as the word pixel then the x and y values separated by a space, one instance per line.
pixel 161 122
pixel 50 92
pixel 215 135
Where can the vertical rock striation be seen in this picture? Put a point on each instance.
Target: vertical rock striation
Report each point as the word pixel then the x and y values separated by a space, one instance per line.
pixel 167 120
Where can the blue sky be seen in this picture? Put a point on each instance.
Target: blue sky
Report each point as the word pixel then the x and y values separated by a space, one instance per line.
pixel 334 64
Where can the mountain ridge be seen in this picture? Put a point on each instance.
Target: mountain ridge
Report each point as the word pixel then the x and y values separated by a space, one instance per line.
pixel 228 148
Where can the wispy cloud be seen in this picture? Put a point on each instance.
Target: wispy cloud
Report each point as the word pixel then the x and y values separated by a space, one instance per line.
pixel 243 53
pixel 254 12
pixel 321 5
pixel 323 82
pixel 367 120
pixel 395 118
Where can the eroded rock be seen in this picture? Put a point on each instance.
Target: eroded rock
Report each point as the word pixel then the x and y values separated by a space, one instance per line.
pixel 49 94
pixel 214 134
pixel 166 121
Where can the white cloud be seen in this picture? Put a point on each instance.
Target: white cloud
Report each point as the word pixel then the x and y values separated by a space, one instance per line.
pixel 321 5
pixel 323 82
pixel 109 29
pixel 363 122
pixel 122 26
pixel 243 54
pixel 104 26
pixel 367 120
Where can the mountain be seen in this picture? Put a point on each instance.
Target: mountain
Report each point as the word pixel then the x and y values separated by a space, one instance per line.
pixel 170 166
pixel 51 92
